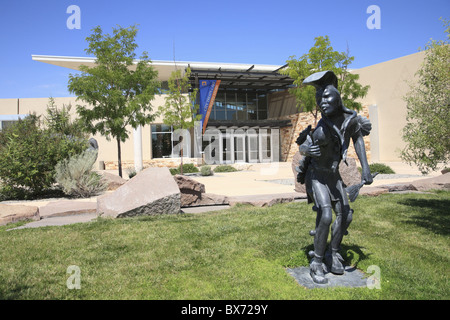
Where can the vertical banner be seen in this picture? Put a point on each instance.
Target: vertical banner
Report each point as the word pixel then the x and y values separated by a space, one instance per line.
pixel 208 91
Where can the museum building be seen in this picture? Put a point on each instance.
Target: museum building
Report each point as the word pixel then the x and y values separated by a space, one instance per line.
pixel 248 108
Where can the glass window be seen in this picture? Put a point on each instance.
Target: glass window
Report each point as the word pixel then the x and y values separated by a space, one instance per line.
pixel 262 106
pixel 231 105
pixel 161 141
pixel 241 105
pixel 6 123
pixel 161 128
pixel 252 105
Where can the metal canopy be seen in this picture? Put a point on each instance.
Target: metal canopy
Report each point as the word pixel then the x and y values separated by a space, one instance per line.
pixel 250 78
pixel 250 123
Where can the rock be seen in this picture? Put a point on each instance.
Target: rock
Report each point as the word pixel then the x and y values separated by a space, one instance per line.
pixel 298 186
pixel 349 173
pixel 114 181
pixel 261 200
pixel 210 199
pixel 441 182
pixel 372 191
pixel 398 187
pixel 152 191
pixel 191 190
pixel 67 207
pixel 16 213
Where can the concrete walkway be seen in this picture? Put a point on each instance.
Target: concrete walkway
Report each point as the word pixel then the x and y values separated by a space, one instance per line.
pixel 259 183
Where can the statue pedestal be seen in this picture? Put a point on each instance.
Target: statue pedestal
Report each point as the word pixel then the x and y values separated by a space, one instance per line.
pixel 352 277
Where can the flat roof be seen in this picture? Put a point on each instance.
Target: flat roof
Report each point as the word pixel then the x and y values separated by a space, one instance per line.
pixel 164 67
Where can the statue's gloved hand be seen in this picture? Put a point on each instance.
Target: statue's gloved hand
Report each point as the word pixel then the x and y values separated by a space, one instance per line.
pixel 367 177
pixel 310 151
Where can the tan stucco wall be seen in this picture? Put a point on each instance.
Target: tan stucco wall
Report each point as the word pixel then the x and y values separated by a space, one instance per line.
pixel 388 85
pixel 8 106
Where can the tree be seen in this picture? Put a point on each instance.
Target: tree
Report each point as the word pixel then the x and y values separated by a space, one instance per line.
pixel 322 57
pixel 180 110
pixel 427 130
pixel 119 90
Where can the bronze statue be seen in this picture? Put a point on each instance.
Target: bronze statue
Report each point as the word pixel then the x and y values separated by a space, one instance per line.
pixel 323 149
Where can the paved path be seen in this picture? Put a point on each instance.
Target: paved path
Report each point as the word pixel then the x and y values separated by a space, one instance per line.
pixel 260 185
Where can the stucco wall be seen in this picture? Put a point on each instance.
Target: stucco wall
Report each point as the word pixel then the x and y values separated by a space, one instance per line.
pixel 388 85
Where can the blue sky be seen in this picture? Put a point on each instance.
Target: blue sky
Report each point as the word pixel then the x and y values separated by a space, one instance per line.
pixel 245 31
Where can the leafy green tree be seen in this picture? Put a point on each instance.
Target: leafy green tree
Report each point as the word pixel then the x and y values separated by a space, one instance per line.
pixel 118 90
pixel 427 132
pixel 180 110
pixel 323 57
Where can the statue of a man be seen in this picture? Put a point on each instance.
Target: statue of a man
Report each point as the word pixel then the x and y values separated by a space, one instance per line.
pixel 324 148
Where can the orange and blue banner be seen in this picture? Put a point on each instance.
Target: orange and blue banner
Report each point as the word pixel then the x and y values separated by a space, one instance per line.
pixel 208 91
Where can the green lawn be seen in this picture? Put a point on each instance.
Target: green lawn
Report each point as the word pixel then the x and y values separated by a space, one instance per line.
pixel 240 253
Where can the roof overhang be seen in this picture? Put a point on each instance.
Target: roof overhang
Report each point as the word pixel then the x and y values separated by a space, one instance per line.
pixel 205 69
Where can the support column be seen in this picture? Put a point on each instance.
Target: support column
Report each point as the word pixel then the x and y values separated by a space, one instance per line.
pixel 137 135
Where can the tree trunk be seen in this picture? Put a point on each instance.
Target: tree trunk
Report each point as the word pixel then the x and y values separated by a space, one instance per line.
pixel 119 157
pixel 181 166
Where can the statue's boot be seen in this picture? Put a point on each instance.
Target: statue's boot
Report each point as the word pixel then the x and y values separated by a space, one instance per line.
pixel 336 263
pixel 316 271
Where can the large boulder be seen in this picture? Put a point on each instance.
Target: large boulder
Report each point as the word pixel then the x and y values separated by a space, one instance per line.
pixel 191 190
pixel 152 191
pixel 349 173
pixel 193 193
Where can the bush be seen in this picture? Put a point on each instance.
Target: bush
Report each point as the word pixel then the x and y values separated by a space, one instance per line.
pixel 131 172
pixel 28 156
pixel 380 168
pixel 225 168
pixel 76 178
pixel 187 168
pixel 206 171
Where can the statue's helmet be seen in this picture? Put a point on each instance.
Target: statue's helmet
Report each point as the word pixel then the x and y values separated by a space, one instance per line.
pixel 321 80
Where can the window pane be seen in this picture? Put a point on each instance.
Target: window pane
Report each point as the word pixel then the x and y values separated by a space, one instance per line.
pixel 161 128
pixel 5 124
pixel 231 105
pixel 251 105
pixel 262 106
pixel 161 145
pixel 241 105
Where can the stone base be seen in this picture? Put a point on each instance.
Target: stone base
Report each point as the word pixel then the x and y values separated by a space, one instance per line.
pixel 352 278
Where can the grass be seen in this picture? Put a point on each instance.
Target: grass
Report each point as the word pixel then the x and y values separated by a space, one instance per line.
pixel 240 253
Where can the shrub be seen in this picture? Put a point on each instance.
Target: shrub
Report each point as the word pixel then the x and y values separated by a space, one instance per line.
pixel 225 168
pixel 29 154
pixel 206 171
pixel 380 168
pixel 187 168
pixel 76 178
pixel 131 172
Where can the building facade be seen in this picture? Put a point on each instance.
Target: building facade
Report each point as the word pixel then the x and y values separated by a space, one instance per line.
pixel 252 117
